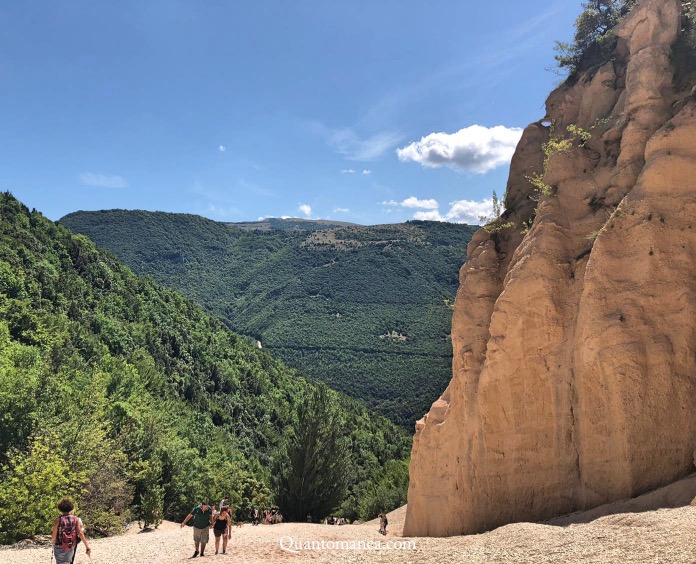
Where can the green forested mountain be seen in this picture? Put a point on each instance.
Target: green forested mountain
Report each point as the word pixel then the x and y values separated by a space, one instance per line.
pixel 130 398
pixel 364 309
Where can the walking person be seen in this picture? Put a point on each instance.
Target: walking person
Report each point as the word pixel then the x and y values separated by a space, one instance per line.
pixel 222 527
pixel 67 529
pixel 202 521
pixel 383 523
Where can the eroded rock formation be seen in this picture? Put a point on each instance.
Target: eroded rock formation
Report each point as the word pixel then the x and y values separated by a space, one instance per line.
pixel 574 373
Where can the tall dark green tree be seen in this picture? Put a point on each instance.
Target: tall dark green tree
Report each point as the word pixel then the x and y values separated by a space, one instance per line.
pixel 312 472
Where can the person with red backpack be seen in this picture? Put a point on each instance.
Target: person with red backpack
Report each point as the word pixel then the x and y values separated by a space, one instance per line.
pixel 66 530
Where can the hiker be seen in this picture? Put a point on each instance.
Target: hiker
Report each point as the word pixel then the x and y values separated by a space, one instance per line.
pixel 255 516
pixel 66 530
pixel 222 527
pixel 202 521
pixel 383 523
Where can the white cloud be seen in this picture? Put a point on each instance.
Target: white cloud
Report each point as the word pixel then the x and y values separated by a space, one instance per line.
pixel 469 211
pixel 366 172
pixel 414 202
pixel 475 148
pixel 264 217
pixel 306 209
pixel 102 180
pixel 222 148
pixel 461 211
pixel 347 171
pixel 341 210
pixel 432 215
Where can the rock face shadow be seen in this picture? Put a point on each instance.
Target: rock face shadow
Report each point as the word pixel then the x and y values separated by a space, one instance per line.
pixel 678 494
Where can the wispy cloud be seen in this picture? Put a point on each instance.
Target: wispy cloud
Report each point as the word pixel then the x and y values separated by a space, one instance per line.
pixel 255 188
pixel 222 148
pixel 355 147
pixel 305 209
pixel 535 25
pixel 102 180
pixel 347 143
pixel 222 211
pixel 474 148
pixel 341 210
pixel 347 171
pixel 390 203
pixel 366 172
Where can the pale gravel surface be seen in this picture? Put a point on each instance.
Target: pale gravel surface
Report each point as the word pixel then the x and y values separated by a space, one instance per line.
pixel 663 535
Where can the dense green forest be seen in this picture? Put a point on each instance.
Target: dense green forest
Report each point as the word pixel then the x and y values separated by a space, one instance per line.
pixel 136 402
pixel 364 309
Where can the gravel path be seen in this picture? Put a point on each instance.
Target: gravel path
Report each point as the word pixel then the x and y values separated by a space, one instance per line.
pixel 664 535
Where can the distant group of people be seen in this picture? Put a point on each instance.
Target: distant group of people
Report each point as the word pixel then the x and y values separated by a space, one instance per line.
pixel 335 521
pixel 266 516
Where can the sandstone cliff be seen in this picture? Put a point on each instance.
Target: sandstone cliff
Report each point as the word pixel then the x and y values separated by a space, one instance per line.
pixel 574 373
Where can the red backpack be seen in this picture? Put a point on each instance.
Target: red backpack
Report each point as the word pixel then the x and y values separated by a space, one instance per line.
pixel 67 532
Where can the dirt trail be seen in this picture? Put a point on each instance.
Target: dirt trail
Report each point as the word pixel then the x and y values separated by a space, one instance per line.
pixel 664 535
pixel 659 526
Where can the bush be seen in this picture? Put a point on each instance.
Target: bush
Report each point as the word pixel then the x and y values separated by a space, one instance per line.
pixel 33 482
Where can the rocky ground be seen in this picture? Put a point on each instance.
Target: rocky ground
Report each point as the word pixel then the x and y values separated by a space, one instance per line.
pixel 641 535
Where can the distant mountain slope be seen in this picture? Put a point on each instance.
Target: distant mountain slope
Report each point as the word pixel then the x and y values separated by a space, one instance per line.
pixel 365 309
pixel 123 393
pixel 290 223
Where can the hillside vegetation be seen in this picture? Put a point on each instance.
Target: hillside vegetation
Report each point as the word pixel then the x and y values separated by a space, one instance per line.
pixel 364 309
pixel 130 398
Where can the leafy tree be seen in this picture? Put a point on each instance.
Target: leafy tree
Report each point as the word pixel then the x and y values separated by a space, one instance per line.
pixel 150 508
pixel 33 482
pixel 593 39
pixel 311 473
pixel 388 493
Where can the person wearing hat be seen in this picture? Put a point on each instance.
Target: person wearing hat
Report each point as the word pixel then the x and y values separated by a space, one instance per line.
pixel 202 516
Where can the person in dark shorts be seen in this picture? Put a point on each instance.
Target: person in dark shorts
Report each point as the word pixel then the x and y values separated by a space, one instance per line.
pixel 222 527
pixel 202 521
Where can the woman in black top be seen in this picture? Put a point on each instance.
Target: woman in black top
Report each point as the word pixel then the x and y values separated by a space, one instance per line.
pixel 222 527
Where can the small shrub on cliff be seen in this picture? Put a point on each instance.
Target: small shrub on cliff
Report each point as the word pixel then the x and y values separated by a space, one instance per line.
pixel 493 224
pixel 552 147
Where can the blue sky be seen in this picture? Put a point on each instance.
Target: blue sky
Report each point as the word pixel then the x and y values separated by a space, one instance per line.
pixel 372 111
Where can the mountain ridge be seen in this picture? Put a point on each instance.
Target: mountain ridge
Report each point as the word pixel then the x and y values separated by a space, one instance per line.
pixel 328 301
